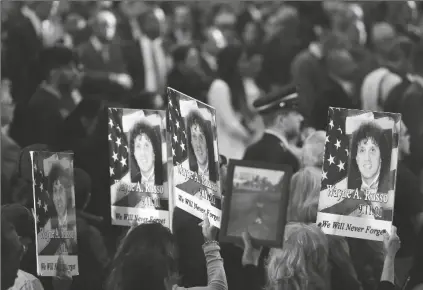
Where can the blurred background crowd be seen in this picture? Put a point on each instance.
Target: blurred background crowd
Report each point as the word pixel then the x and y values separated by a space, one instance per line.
pixel 62 62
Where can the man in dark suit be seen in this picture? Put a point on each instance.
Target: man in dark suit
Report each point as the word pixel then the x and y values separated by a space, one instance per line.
pixel 144 53
pixel 105 70
pixel 54 99
pixel 283 127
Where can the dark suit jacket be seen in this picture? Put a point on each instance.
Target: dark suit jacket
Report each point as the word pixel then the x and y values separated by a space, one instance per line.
pixel 192 262
pixel 269 150
pixel 212 74
pixel 45 117
pixel 96 81
pixel 278 55
pixel 333 96
pixel 311 78
pixel 22 59
pixel 189 83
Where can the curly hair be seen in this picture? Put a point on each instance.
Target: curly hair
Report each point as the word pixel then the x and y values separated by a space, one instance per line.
pixel 194 118
pixel 369 131
pixel 154 136
pixel 305 192
pixel 147 256
pixel 302 262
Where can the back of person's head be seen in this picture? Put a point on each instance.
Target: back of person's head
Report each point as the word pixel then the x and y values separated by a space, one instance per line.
pixel 302 262
pixel 147 256
pixel 11 253
pixel 21 218
pixel 304 195
pixel 54 60
pixel 314 149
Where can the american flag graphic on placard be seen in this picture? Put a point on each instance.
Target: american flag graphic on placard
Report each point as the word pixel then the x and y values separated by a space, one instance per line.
pixel 118 146
pixel 345 195
pixel 41 196
pixel 176 128
pixel 54 211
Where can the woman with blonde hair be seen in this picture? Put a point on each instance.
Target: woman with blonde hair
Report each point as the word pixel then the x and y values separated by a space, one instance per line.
pixel 314 149
pixel 302 262
pixel 304 192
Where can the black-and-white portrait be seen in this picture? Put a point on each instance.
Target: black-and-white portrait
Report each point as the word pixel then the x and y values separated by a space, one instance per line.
pixel 370 158
pixel 201 151
pixel 140 158
pixel 145 147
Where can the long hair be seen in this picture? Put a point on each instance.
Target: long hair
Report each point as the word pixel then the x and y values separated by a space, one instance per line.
pixel 305 192
pixel 302 262
pixel 228 71
pixel 369 131
pixel 194 118
pixel 154 135
pixel 146 258
pixel 314 150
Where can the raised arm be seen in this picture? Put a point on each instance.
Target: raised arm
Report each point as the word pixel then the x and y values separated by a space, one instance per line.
pixel 215 270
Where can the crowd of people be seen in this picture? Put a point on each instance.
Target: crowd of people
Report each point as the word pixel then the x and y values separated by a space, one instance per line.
pixel 271 70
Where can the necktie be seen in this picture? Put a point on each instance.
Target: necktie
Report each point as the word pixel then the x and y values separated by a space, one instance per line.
pixel 157 73
pixel 105 53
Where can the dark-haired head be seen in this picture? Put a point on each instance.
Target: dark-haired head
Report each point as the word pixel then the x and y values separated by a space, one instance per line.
pixel 200 144
pixel 145 152
pixel 370 152
pixel 147 256
pixel 11 253
pixel 186 54
pixel 60 67
pixel 249 28
pixel 228 62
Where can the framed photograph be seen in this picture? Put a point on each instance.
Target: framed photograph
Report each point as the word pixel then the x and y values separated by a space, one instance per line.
pixel 359 173
pixel 256 201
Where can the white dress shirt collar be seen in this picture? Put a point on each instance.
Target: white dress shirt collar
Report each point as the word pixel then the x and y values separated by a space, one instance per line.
pixel 373 185
pixel 147 179
pixel 63 222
